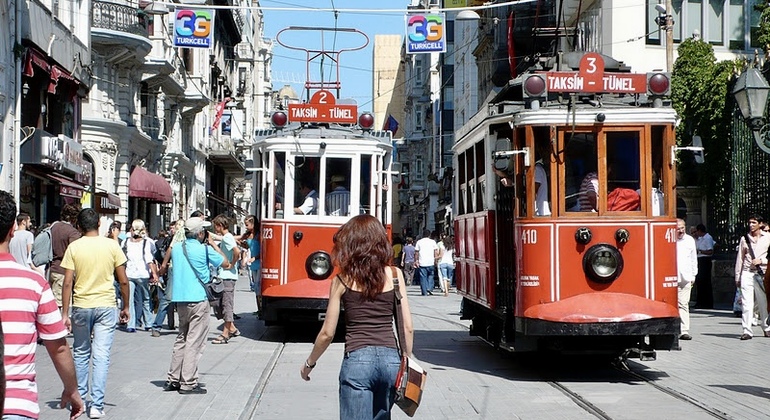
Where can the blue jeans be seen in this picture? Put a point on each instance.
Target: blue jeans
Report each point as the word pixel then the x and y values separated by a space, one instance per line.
pixel 101 323
pixel 140 310
pixel 426 279
pixel 447 272
pixel 16 417
pixel 163 303
pixel 367 383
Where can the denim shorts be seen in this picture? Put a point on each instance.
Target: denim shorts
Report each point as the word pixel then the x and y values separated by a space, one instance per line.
pixel 367 383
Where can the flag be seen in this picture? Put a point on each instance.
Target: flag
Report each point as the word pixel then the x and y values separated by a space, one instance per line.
pixel 220 111
pixel 391 124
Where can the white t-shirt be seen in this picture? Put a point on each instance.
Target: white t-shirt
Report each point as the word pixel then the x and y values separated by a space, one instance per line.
pixel 136 267
pixel 19 246
pixel 542 208
pixel 704 243
pixel 426 247
pixel 447 257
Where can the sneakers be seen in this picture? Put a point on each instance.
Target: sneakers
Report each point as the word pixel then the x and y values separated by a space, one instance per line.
pixel 685 336
pixel 130 330
pixel 95 413
pixel 171 386
pixel 155 333
pixel 746 337
pixel 194 390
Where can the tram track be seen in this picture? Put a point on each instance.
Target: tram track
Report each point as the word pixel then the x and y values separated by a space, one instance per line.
pixel 255 397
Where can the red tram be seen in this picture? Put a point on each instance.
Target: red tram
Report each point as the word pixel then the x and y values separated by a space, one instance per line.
pixel 565 212
pixel 325 152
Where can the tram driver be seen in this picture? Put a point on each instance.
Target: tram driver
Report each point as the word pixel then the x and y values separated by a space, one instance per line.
pixel 310 203
pixel 338 200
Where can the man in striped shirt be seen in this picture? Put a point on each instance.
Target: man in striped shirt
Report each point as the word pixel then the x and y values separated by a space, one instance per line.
pixel 28 311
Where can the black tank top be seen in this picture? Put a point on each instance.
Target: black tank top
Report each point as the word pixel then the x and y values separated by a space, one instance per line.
pixel 368 323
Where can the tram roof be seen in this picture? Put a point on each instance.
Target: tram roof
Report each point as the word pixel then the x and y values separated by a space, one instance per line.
pixel 560 114
pixel 332 135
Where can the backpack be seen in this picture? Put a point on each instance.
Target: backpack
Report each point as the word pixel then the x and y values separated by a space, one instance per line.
pixel 42 247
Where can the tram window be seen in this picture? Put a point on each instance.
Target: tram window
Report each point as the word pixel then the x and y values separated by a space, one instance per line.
pixel 366 184
pixel 519 143
pixel 337 199
pixel 470 181
pixel 623 171
pixel 480 176
pixel 657 199
pixel 306 171
pixel 461 177
pixel 542 168
pixel 581 181
pixel 279 182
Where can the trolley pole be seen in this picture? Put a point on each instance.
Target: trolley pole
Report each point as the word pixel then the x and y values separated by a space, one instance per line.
pixel 669 37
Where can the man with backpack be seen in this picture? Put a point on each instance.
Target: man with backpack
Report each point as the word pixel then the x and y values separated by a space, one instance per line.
pixel 63 233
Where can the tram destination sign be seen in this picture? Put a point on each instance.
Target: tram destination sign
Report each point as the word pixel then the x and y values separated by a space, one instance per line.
pixel 323 108
pixel 593 79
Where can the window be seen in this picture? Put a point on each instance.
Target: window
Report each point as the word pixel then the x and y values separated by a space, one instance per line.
pixel 418 168
pixel 417 76
pixel 337 199
pixel 719 22
pixel 580 172
pixel 307 171
pixel 279 180
pixel 623 171
pixel 418 119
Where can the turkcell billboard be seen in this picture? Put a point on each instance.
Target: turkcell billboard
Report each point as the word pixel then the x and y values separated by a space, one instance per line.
pixel 194 28
pixel 425 33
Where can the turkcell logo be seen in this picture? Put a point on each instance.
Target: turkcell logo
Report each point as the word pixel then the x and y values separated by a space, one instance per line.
pixel 194 28
pixel 425 33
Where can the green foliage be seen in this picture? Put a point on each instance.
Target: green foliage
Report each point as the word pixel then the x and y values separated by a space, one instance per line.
pixel 764 24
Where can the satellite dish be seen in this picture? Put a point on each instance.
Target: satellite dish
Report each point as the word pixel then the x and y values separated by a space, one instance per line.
pixel 698 154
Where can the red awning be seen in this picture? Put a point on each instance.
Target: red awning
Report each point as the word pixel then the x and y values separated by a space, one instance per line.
pixel 67 186
pixel 144 184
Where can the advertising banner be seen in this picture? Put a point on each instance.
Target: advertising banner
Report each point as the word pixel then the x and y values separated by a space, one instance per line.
pixel 193 28
pixel 425 33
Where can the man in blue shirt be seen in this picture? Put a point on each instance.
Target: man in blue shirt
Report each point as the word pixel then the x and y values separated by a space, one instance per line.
pixel 191 260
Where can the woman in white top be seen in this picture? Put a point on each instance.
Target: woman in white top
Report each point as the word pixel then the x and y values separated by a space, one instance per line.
pixel 446 263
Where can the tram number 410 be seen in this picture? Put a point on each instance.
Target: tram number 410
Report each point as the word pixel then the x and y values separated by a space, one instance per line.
pixel 671 235
pixel 528 236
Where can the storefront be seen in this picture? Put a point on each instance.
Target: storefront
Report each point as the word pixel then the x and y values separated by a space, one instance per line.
pixel 149 198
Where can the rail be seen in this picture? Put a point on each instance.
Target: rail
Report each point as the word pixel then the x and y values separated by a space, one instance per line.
pixel 118 17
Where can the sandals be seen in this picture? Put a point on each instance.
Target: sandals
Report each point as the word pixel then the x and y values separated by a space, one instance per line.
pixel 220 340
pixel 235 333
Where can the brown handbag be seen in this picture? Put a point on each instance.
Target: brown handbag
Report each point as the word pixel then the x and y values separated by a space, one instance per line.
pixel 411 378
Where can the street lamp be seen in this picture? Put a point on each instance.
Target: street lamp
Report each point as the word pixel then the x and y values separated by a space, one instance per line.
pixel 750 92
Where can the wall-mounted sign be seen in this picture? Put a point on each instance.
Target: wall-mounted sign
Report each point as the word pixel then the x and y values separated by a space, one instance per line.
pixel 323 108
pixel 593 79
pixel 193 28
pixel 425 33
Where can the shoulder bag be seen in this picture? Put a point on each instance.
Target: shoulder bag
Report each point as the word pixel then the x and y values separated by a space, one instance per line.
pixel 411 378
pixel 751 252
pixel 214 288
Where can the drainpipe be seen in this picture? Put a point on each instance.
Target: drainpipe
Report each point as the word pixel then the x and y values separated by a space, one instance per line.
pixel 15 168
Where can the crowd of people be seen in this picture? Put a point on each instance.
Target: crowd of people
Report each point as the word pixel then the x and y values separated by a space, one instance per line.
pixel 430 262
pixel 96 284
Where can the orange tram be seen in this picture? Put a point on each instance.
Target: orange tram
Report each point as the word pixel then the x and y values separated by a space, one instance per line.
pixel 329 153
pixel 564 214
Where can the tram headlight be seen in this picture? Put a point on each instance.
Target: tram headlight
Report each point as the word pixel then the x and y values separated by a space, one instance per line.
pixel 603 263
pixel 319 265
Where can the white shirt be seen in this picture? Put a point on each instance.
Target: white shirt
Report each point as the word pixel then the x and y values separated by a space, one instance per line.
pixel 542 208
pixel 704 243
pixel 138 266
pixel 426 247
pixel 686 260
pixel 310 204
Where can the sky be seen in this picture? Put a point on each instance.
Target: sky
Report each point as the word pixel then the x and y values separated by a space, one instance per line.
pixel 355 67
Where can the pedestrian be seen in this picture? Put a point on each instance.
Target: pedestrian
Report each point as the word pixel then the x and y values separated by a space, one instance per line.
pixel 21 241
pixel 142 272
pixel 687 264
pixel 250 240
pixel 96 260
pixel 705 245
pixel 446 263
pixel 229 277
pixel 162 257
pixel 407 260
pixel 750 266
pixel 29 311
pixel 63 233
pixel 426 254
pixel 365 287
pixel 191 261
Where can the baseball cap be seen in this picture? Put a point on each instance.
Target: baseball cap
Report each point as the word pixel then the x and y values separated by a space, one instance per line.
pixel 195 223
pixel 338 179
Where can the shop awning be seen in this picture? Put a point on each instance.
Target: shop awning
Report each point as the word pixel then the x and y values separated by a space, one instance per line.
pixel 67 186
pixel 149 186
pixel 106 203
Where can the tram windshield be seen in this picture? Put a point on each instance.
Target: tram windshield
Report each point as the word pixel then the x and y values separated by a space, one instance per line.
pixel 325 186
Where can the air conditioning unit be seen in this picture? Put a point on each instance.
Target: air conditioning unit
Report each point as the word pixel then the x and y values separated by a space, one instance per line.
pixel 244 52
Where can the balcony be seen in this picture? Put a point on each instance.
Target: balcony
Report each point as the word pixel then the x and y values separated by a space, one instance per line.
pixel 119 32
pixel 223 154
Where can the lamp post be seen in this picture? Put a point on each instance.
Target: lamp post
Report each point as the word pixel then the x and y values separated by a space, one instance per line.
pixel 750 92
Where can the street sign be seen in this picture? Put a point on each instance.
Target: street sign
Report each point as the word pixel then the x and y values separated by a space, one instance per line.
pixel 593 79
pixel 323 108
